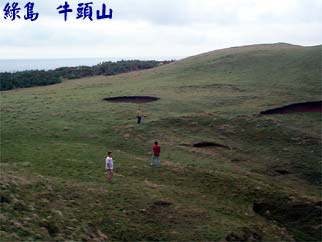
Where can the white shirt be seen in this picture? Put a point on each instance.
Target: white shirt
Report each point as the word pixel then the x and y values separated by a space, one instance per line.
pixel 109 163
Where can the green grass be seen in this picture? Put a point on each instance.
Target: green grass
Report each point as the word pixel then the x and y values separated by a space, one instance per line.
pixel 54 140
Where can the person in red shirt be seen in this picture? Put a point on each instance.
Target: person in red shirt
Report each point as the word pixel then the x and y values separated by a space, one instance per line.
pixel 156 154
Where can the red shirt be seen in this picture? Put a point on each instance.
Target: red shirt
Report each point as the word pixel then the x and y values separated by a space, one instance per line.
pixel 156 150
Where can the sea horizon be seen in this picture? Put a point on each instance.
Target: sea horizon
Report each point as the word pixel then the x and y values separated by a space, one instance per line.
pixel 15 65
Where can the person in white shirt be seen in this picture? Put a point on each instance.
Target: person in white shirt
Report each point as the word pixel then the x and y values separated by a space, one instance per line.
pixel 109 166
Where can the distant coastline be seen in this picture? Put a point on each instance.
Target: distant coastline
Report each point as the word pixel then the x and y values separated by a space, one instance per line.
pixel 30 78
pixel 14 65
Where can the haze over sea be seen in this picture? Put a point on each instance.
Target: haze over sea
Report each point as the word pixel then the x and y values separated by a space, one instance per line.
pixel 13 65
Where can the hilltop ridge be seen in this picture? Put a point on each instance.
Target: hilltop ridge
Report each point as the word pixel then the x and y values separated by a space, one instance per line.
pixel 227 173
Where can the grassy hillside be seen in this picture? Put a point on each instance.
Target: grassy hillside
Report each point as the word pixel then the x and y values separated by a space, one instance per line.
pixel 23 79
pixel 54 140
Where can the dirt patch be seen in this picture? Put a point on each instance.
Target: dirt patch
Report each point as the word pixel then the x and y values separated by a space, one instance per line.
pixel 162 203
pixel 312 107
pixel 208 144
pixel 282 172
pixel 4 199
pixel 50 227
pixel 245 235
pixel 302 219
pixel 152 185
pixel 131 99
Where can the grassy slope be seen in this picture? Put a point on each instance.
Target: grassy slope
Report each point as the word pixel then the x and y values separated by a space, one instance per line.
pixel 54 140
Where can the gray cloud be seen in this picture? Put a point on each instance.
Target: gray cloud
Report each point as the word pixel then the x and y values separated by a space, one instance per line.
pixel 161 28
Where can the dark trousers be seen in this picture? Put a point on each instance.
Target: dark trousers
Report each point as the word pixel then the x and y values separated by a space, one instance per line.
pixel 139 119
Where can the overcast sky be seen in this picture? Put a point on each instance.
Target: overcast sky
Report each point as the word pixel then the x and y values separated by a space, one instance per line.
pixel 158 28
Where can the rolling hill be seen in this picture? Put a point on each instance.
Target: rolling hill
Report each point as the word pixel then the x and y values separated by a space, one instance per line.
pixel 227 173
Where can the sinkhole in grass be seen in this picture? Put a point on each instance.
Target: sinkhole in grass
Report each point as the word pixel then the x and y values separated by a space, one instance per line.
pixel 306 107
pixel 131 99
pixel 282 172
pixel 208 144
pixel 303 219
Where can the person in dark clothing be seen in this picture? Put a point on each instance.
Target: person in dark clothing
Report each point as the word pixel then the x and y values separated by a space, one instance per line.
pixel 139 115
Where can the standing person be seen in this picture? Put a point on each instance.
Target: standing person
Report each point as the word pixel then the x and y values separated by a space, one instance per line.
pixel 139 115
pixel 156 154
pixel 109 166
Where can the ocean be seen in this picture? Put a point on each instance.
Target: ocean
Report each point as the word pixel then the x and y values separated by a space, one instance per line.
pixel 13 65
